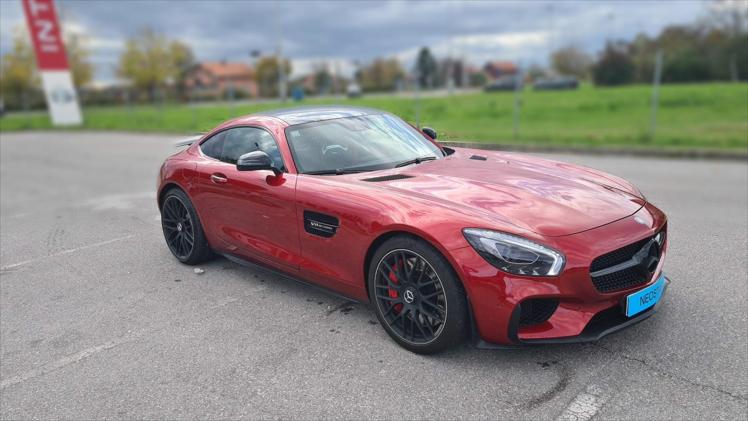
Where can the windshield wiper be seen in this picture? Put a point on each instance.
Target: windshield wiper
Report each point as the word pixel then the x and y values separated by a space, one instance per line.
pixel 338 171
pixel 415 161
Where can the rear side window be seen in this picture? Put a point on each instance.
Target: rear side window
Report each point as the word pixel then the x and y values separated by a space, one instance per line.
pixel 213 147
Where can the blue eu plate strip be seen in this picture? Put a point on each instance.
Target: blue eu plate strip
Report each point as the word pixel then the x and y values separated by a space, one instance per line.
pixel 645 298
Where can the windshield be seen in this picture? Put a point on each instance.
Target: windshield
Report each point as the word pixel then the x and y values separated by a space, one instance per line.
pixel 364 143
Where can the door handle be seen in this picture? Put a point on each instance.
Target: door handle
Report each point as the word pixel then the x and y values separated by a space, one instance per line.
pixel 218 178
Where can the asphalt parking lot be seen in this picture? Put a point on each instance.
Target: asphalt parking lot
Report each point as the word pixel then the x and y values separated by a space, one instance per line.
pixel 97 320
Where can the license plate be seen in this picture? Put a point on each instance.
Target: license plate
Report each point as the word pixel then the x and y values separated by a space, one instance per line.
pixel 645 298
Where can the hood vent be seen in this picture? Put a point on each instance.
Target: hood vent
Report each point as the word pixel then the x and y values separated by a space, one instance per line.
pixel 479 158
pixel 387 178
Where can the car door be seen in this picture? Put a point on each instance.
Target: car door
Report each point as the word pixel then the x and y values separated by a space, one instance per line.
pixel 250 213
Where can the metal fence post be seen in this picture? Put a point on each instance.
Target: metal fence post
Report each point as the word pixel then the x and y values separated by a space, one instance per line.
pixel 655 94
pixel 518 90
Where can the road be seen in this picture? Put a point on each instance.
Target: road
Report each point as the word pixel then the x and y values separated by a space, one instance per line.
pixel 97 320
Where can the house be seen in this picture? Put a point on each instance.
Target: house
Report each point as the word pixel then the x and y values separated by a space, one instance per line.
pixel 218 79
pixel 498 69
pixel 315 84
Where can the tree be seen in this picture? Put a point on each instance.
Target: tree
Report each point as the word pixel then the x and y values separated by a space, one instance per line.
pixel 426 68
pixel 381 75
pixel 449 67
pixel 267 75
pixel 614 66
pixel 535 72
pixel 184 61
pixel 150 61
pixel 323 80
pixel 571 61
pixel 18 76
pixel 477 79
pixel 81 68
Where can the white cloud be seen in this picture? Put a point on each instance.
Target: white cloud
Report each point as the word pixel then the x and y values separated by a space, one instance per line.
pixel 513 40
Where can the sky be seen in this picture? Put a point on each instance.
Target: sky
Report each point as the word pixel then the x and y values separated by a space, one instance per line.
pixel 345 32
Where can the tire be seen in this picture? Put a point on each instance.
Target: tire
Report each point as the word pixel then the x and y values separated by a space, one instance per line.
pixel 420 303
pixel 182 229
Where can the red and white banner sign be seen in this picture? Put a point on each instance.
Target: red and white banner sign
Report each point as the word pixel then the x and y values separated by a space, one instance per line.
pixel 46 36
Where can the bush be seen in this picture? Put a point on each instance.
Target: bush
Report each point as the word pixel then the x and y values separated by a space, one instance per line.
pixel 614 66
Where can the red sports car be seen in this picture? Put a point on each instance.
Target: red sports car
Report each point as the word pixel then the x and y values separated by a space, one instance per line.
pixel 445 243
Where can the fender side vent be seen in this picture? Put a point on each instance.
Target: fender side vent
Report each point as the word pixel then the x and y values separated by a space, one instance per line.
pixel 479 158
pixel 320 224
pixel 387 178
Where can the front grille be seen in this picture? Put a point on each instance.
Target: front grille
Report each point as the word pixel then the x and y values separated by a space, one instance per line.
pixel 537 310
pixel 617 256
pixel 637 264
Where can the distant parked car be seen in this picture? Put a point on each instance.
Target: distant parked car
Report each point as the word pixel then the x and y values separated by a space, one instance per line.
pixel 353 90
pixel 506 83
pixel 556 83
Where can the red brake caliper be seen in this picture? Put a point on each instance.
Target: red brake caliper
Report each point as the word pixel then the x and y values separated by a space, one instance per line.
pixel 391 292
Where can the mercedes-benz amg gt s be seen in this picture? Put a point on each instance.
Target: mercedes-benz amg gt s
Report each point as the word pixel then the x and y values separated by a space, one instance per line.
pixel 445 243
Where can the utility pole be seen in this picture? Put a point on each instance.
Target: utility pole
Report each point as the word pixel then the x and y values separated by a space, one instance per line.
pixel 450 56
pixel 552 20
pixel 279 55
pixel 655 94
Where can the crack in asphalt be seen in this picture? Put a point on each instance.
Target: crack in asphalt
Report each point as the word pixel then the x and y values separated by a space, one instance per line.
pixel 670 375
pixel 565 376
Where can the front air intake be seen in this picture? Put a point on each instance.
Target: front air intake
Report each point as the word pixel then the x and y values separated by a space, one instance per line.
pixel 536 310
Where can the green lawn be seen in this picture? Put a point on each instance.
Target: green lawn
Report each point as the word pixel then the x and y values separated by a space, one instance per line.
pixel 713 115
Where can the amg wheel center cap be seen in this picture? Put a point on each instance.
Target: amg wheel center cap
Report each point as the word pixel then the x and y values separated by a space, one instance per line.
pixel 179 226
pixel 409 296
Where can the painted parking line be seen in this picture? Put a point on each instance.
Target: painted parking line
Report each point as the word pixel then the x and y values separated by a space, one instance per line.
pixel 64 252
pixel 585 405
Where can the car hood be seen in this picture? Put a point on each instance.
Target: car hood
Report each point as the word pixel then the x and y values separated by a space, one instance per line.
pixel 547 197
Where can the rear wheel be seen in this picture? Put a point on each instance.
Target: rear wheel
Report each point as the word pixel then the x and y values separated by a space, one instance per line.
pixel 417 297
pixel 182 229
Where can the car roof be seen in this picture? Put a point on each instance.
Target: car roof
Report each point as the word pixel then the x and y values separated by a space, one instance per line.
pixel 308 114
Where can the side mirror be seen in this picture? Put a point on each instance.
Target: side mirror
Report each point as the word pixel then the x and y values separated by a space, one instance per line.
pixel 428 131
pixel 257 160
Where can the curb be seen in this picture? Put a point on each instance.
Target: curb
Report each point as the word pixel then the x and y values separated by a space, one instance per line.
pixel 712 154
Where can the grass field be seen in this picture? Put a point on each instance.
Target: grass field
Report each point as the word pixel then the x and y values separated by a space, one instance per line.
pixel 713 115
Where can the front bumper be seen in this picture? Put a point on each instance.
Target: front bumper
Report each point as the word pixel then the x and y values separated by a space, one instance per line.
pixel 602 324
pixel 583 313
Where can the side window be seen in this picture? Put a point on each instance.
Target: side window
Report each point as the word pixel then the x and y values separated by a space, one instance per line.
pixel 213 146
pixel 243 140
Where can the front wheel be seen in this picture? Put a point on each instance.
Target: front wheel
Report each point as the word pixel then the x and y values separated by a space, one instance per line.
pixel 417 296
pixel 182 229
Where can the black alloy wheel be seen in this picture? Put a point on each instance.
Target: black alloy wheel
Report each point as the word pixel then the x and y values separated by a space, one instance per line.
pixel 417 296
pixel 182 229
pixel 178 227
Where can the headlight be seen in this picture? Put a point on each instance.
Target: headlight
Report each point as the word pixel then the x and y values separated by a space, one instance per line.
pixel 513 254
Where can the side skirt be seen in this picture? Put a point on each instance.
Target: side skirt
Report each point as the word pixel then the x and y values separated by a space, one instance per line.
pixel 266 269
